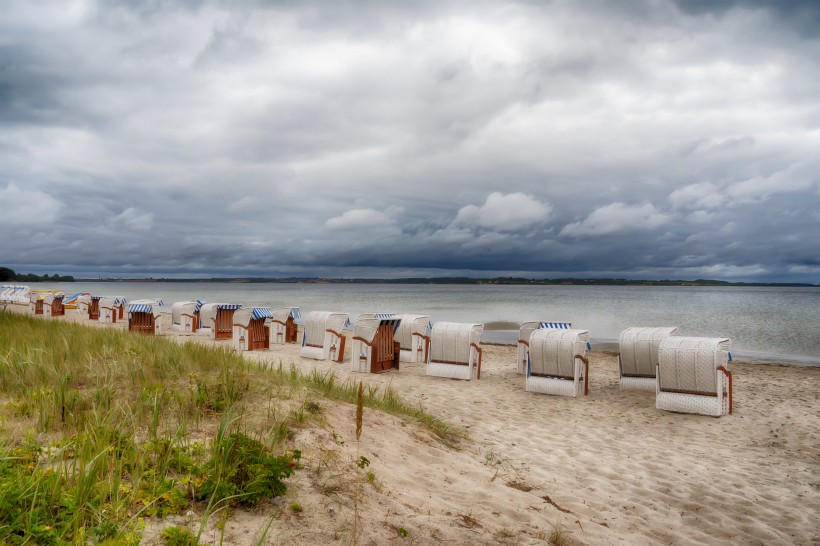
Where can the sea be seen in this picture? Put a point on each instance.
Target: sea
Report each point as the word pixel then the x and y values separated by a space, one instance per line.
pixel 764 323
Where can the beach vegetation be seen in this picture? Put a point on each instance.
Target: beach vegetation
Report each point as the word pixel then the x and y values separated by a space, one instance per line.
pixel 102 430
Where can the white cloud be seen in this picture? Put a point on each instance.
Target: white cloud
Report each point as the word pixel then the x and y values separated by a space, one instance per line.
pixel 361 219
pixel 617 218
pixel 704 195
pixel 26 207
pixel 510 212
pixel 134 219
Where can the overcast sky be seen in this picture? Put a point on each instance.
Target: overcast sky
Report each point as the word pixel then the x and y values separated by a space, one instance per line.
pixel 643 139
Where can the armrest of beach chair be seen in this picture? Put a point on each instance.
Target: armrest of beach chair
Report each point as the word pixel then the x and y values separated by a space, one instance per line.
pixel 585 360
pixel 728 374
pixel 479 351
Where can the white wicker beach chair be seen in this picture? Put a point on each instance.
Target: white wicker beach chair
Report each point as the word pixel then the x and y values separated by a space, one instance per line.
pixel 455 350
pixel 323 338
pixel 557 362
pixel 638 356
pixel 373 349
pixel 524 333
pixel 111 309
pixel 216 320
pixel 53 304
pixel 694 375
pixel 145 316
pixel 250 332
pixel 413 336
pixel 18 294
pixel 283 325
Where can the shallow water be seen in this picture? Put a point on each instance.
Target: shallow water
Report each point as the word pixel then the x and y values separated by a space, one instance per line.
pixel 764 322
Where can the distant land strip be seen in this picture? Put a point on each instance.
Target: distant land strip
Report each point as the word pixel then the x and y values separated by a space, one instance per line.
pixel 464 280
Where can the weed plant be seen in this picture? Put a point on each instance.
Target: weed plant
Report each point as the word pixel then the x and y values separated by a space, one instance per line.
pixel 100 429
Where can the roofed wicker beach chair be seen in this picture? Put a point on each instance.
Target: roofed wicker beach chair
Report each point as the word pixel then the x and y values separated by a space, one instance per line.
pixel 524 333
pixel 53 304
pixel 250 332
pixel 145 316
pixel 323 338
pixel 455 350
pixel 374 349
pixel 638 356
pixel 557 362
pixel 36 302
pixel 694 375
pixel 216 320
pixel 413 336
pixel 185 316
pixel 283 325
pixel 111 309
pixel 11 293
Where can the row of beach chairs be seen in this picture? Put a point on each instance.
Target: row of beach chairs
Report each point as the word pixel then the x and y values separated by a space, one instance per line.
pixel 687 374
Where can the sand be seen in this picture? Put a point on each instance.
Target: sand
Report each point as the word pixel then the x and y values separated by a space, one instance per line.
pixel 607 468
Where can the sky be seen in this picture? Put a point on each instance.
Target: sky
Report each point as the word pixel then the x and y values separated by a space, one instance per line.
pixel 648 139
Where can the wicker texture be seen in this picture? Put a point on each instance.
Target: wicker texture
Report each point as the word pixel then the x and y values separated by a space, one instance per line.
pixel 278 324
pixel 452 350
pixel 553 353
pixel 411 337
pixel 317 336
pixel 638 357
pixel 523 351
pixel 689 378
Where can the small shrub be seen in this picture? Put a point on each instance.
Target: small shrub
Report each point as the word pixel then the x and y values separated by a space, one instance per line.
pixel 243 472
pixel 174 536
pixel 296 507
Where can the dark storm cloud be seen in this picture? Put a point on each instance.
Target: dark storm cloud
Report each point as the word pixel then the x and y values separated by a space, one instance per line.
pixel 641 139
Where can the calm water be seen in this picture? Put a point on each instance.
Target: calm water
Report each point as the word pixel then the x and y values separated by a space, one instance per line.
pixel 769 321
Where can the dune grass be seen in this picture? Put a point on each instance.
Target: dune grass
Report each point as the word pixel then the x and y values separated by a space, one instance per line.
pixel 100 428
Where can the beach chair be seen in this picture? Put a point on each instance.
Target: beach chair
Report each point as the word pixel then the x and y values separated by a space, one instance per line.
pixel 638 356
pixel 283 327
pixel 455 350
pixel 524 333
pixel 557 362
pixel 185 316
pixel 322 338
pixel 374 349
pixel 694 376
pixel 16 294
pixel 413 336
pixel 145 316
pixel 36 302
pixel 216 320
pixel 250 332
pixel 111 309
pixel 53 304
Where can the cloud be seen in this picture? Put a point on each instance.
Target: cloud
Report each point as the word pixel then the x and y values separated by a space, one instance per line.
pixel 504 212
pixel 703 195
pixel 617 218
pixel 361 219
pixel 264 137
pixel 21 207
pixel 132 218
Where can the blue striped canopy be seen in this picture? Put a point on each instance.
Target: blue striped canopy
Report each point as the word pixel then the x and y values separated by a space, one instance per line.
pixel 140 308
pixel 96 298
pixel 559 325
pixel 199 304
pixel 295 313
pixel 385 315
pixel 261 313
pixel 228 306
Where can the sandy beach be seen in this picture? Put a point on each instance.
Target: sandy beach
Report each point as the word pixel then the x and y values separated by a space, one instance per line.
pixel 607 468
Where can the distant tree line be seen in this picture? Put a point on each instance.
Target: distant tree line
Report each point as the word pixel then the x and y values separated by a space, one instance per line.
pixel 7 275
